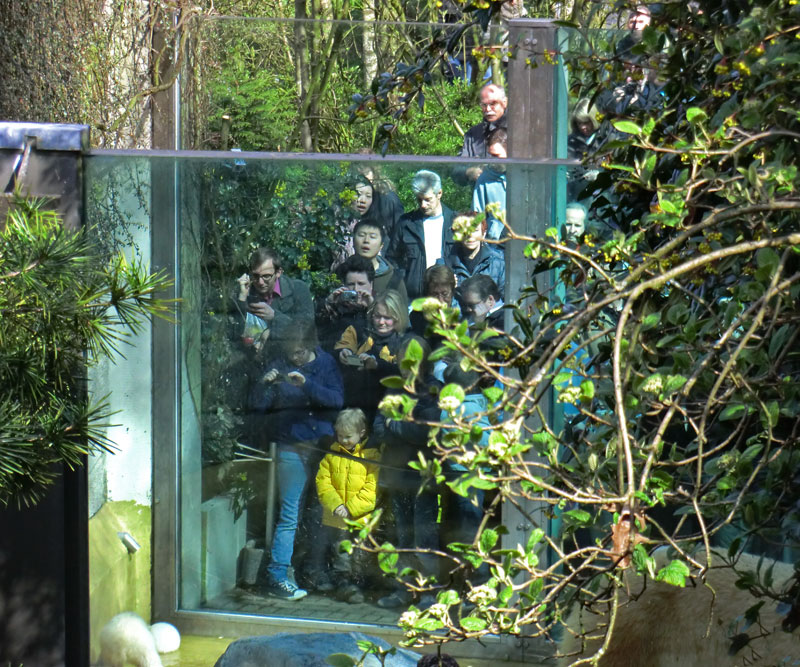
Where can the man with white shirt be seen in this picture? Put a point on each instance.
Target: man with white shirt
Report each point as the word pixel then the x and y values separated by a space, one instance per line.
pixel 424 235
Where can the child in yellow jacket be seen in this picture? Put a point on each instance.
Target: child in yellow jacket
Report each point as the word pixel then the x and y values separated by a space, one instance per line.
pixel 347 485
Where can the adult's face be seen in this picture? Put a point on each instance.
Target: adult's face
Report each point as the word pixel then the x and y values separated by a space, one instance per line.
pixel 498 151
pixel 363 198
pixel 493 104
pixel 474 240
pixel 638 20
pixel 358 283
pixel 575 223
pixel 382 320
pixel 367 242
pixel 476 308
pixel 263 278
pixel 585 127
pixel 441 291
pixel 430 203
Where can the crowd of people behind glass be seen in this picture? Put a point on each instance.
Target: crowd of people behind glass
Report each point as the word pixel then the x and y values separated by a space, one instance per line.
pixel 317 367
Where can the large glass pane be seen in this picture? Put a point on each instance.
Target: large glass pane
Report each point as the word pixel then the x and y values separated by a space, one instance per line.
pixel 246 395
pixel 261 397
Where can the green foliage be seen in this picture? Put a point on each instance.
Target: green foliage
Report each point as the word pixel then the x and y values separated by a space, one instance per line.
pixel 64 306
pixel 667 344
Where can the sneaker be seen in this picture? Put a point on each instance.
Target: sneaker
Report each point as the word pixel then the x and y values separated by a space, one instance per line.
pixel 285 589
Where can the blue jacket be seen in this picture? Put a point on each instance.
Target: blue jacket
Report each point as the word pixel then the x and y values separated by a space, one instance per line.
pixel 301 414
pixel 490 187
pixel 489 261
pixel 407 248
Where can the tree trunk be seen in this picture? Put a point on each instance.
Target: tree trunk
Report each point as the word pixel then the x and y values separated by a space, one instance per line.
pixel 301 73
pixel 368 36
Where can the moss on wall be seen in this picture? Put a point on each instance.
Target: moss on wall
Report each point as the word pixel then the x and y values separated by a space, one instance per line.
pixel 118 581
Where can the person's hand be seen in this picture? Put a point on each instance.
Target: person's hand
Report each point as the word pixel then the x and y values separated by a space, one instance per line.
pixel 244 286
pixel 480 311
pixel 370 362
pixel 342 512
pixel 343 354
pixel 296 378
pixel 474 173
pixel 271 376
pixel 365 299
pixel 262 310
pixel 261 341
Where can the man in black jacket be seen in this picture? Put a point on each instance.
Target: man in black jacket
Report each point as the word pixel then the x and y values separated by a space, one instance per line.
pixel 493 105
pixel 422 236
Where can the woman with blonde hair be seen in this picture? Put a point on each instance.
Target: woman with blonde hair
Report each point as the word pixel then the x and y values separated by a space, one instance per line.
pixel 365 362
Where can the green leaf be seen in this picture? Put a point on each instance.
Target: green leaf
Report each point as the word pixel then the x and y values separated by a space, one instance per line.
pixel 341 660
pixel 767 258
pixel 346 546
pixel 493 394
pixel 473 624
pixel 453 391
pixel 733 411
pixel 651 320
pixel 672 383
pixel 448 597
pixel 627 126
pixel 428 624
pixel 674 573
pixel 393 382
pixel 489 538
pixel 578 516
pixel 387 559
pixel 414 351
pixel 770 418
pixel 695 115
pixel 534 538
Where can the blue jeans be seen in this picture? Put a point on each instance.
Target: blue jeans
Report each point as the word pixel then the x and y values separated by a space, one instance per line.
pixel 293 476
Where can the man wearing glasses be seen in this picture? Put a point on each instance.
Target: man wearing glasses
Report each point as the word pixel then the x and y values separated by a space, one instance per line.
pixel 493 105
pixel 266 296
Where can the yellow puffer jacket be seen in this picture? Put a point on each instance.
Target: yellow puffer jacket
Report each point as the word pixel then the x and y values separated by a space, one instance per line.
pixel 343 481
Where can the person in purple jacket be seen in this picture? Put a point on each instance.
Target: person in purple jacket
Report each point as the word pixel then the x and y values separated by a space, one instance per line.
pixel 300 392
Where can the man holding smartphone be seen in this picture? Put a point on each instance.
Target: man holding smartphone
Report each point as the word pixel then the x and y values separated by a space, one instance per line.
pixel 266 296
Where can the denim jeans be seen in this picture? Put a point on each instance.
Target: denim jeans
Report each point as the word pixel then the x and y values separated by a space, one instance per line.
pixel 293 476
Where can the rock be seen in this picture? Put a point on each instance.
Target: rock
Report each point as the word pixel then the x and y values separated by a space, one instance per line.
pixel 307 650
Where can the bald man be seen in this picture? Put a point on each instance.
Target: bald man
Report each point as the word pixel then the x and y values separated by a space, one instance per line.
pixel 493 105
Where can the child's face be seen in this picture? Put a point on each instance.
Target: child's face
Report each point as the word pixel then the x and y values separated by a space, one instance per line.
pixel 349 436
pixel 299 355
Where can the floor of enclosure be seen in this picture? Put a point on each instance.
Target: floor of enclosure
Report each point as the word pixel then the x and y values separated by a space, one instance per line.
pixel 319 607
pixel 314 605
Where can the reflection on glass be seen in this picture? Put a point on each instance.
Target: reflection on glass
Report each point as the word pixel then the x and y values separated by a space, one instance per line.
pixel 295 278
pixel 299 276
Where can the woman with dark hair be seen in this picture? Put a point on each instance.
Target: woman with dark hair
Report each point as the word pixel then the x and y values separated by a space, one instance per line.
pixel 378 205
pixel 299 393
